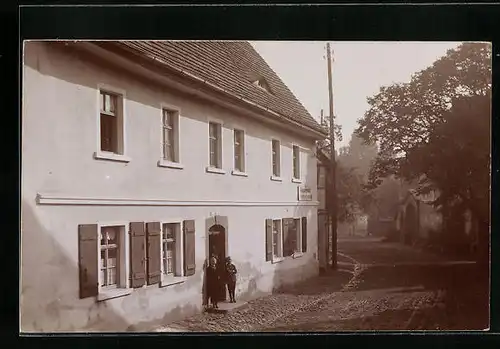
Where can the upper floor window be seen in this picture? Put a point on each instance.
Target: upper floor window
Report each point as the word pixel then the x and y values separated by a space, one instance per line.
pixel 296 162
pixel 239 150
pixel 170 134
pixel 111 122
pixel 215 145
pixel 276 150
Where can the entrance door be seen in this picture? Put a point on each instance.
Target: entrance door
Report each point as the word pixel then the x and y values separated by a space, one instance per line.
pixel 217 248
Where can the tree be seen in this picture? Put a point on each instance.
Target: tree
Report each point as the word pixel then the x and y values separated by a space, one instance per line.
pixel 435 130
pixel 348 194
pixel 359 156
pixel 456 159
pixel 403 116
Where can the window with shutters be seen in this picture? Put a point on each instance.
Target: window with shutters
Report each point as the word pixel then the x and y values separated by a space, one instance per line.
pixel 112 261
pixel 170 137
pixel 111 125
pixel 296 162
pixel 276 159
pixel 172 253
pixel 277 240
pixel 239 151
pixel 292 237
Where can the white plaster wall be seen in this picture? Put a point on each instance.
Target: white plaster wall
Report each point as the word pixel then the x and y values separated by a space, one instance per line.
pixel 59 134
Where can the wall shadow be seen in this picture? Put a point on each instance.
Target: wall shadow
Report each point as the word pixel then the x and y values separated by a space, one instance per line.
pixel 49 286
pixel 49 295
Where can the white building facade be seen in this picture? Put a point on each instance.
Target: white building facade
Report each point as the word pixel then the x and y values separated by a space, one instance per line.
pixel 133 173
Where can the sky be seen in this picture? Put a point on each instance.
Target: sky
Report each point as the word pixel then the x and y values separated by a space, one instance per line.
pixel 359 70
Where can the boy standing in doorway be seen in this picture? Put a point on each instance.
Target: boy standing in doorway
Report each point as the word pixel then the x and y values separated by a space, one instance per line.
pixel 231 279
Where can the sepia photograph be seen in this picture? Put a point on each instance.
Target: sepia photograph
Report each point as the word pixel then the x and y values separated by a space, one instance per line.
pixel 255 186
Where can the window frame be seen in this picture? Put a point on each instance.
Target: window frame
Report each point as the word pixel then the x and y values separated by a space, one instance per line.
pixel 178 274
pixel 122 288
pixel 298 245
pixel 218 168
pixel 276 176
pixel 296 179
pixel 122 151
pixel 239 171
pixel 175 163
pixel 280 257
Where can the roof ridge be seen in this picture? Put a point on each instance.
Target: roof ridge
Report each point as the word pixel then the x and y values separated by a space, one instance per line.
pixel 229 65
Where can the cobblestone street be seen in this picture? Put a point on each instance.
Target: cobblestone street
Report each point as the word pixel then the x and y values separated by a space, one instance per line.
pixel 378 286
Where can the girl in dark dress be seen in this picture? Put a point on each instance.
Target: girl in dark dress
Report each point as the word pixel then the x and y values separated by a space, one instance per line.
pixel 213 281
pixel 231 278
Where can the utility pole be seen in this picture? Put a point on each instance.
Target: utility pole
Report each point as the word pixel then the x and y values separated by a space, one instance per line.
pixel 333 194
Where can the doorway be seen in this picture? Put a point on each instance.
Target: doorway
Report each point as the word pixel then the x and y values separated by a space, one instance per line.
pixel 217 248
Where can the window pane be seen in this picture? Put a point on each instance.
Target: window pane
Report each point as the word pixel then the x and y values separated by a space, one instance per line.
pixel 103 258
pixel 167 118
pixel 112 277
pixel 212 130
pixel 297 234
pixel 167 139
pixel 102 277
pixel 170 257
pixel 108 133
pixel 112 257
pixel 103 236
pixel 102 98
pixel 112 103
pixel 213 154
pixel 170 231
pixel 166 152
pixel 107 102
pixel 112 235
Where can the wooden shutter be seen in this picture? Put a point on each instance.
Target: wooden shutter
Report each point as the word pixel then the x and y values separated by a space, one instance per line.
pixel 88 259
pixel 269 239
pixel 153 238
pixel 304 234
pixel 137 254
pixel 189 247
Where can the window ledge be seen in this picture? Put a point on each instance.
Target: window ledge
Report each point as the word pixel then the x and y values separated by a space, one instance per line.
pixel 172 280
pixel 277 260
pixel 170 164
pixel 114 293
pixel 211 169
pixel 298 254
pixel 276 179
pixel 296 180
pixel 100 155
pixel 238 173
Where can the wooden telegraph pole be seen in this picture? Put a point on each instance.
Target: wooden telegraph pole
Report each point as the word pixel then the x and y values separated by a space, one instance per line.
pixel 333 194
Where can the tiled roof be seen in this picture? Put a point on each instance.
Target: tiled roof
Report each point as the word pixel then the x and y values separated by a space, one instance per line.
pixel 233 66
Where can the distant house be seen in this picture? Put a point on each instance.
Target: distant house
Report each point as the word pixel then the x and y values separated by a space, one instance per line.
pixel 381 222
pixel 417 219
pixel 140 160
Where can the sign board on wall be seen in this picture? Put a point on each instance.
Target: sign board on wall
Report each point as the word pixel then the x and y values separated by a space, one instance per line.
pixel 304 193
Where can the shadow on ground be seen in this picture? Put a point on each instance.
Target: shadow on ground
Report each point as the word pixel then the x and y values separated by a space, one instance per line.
pixel 332 281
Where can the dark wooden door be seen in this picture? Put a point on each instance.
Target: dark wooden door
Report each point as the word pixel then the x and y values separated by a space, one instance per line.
pixel 217 247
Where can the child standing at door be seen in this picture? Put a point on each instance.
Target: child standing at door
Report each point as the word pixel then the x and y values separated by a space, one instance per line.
pixel 213 281
pixel 231 278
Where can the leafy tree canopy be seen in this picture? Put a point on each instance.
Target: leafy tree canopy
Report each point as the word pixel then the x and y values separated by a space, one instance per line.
pixel 435 128
pixel 402 117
